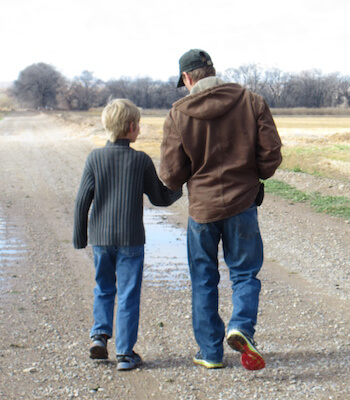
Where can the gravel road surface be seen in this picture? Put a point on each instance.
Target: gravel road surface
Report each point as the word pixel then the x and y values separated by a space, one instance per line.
pixel 46 292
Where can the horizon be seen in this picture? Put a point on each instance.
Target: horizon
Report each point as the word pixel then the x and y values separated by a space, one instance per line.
pixel 7 84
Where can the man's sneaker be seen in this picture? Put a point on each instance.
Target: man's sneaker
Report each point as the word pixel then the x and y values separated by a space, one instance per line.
pixel 98 349
pixel 199 360
pixel 250 357
pixel 127 361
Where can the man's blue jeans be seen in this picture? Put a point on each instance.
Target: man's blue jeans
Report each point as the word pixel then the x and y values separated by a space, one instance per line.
pixel 243 253
pixel 118 270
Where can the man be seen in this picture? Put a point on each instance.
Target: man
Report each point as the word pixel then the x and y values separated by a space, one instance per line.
pixel 221 140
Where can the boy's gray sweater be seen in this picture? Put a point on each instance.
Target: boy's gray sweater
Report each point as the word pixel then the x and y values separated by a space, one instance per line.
pixel 114 180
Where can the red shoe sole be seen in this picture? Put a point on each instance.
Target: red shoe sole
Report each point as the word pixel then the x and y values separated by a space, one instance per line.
pixel 250 359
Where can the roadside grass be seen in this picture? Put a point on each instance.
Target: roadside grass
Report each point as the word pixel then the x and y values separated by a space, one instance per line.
pixel 329 161
pixel 338 206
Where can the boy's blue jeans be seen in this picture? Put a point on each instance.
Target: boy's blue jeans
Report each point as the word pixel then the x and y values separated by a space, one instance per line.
pixel 118 270
pixel 243 253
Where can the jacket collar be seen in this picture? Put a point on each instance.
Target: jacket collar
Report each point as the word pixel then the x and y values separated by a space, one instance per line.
pixel 206 83
pixel 119 142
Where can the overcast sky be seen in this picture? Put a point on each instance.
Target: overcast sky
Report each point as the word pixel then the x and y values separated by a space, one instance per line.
pixel 137 38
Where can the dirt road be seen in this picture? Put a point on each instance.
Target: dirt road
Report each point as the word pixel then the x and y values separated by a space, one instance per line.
pixel 46 294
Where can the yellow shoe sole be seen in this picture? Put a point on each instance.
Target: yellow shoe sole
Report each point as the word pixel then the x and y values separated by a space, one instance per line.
pixel 207 364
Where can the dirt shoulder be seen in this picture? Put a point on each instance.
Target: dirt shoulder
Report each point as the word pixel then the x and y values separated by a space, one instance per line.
pixel 46 293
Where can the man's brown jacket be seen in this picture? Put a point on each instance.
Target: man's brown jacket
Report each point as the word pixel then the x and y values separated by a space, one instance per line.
pixel 221 141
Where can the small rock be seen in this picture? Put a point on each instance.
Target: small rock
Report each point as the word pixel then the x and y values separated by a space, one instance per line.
pixel 32 370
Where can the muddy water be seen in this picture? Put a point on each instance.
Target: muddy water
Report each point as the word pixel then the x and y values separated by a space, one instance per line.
pixel 165 252
pixel 12 249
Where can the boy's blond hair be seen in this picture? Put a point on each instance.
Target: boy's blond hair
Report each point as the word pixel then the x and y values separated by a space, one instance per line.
pixel 117 117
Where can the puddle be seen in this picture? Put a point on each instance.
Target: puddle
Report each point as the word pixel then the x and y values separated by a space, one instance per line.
pixel 12 249
pixel 165 252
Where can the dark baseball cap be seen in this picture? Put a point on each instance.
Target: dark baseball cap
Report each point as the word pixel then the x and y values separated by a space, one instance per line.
pixel 193 59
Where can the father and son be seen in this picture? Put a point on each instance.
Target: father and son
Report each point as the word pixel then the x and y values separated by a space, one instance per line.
pixel 220 140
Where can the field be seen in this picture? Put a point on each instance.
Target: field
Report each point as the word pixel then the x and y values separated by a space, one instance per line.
pixel 317 145
pixel 313 144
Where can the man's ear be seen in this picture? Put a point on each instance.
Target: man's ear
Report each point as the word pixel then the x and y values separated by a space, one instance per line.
pixel 132 127
pixel 188 81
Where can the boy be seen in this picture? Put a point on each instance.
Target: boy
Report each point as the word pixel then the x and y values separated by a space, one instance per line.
pixel 114 180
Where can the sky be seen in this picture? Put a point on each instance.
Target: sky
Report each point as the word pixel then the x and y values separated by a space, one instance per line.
pixel 146 38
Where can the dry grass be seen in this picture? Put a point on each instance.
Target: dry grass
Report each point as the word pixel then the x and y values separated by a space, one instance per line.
pixel 311 111
pixel 151 134
pixel 313 123
pixel 6 102
pixel 330 161
pixel 313 144
pixel 316 145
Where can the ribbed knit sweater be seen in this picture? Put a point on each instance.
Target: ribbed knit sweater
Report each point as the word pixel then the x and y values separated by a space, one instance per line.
pixel 114 180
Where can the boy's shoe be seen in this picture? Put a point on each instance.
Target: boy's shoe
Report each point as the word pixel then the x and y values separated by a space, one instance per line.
pixel 250 357
pixel 98 349
pixel 199 360
pixel 127 362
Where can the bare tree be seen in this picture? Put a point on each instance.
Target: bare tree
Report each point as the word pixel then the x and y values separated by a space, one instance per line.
pixel 142 89
pixel 84 92
pixel 164 94
pixel 37 86
pixel 249 76
pixel 310 89
pixel 344 90
pixel 145 92
pixel 118 89
pixel 275 80
pixel 332 92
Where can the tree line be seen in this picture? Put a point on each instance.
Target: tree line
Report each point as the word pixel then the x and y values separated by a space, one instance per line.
pixel 41 86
